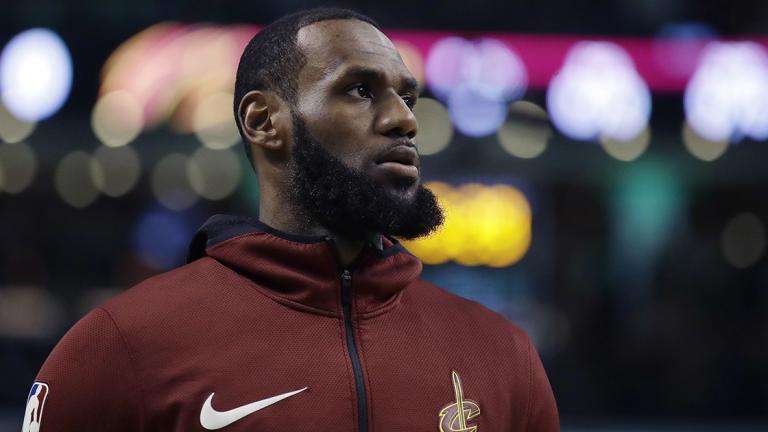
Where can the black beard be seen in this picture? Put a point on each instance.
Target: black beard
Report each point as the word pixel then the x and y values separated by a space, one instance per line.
pixel 348 202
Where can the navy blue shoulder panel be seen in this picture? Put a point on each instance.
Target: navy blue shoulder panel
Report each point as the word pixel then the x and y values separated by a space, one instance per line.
pixel 215 230
pixel 220 228
pixel 395 249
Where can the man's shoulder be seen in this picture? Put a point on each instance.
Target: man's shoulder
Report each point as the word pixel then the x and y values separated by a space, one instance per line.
pixel 172 290
pixel 176 278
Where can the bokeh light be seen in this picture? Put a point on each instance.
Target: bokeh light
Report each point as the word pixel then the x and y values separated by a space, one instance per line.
pixel 475 114
pixel 115 171
pixel 743 240
pixel 484 225
pixel 598 93
pixel 117 118
pixel 526 132
pixel 477 79
pixel 19 303
pixel 702 148
pixel 214 174
pixel 435 128
pixel 13 130
pixel 727 97
pixel 73 182
pixel 500 219
pixel 444 65
pixel 438 247
pixel 627 150
pixel 412 58
pixel 18 165
pixel 487 65
pixel 213 122
pixel 160 238
pixel 171 69
pixel 170 183
pixel 145 66
pixel 35 74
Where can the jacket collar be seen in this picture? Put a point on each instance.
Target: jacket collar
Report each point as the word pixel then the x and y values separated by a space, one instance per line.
pixel 305 271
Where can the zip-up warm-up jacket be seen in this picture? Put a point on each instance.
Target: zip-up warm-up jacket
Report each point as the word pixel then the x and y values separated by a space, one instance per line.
pixel 266 331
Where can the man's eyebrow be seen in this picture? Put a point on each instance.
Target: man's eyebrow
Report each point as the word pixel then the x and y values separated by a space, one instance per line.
pixel 407 83
pixel 410 84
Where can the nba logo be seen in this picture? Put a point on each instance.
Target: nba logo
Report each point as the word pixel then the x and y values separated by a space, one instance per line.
pixel 34 412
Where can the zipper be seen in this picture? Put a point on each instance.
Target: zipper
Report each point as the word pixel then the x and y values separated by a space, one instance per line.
pixel 354 355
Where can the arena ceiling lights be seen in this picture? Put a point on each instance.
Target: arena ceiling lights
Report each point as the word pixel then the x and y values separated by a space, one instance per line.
pixel 597 89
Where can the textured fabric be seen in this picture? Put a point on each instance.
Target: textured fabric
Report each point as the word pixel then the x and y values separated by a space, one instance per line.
pixel 259 314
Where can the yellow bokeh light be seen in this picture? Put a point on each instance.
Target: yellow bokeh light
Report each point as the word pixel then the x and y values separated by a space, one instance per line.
pixel 435 127
pixel 214 174
pixel 115 171
pixel 471 235
pixel 73 181
pixel 627 150
pixel 526 132
pixel 19 166
pixel 13 130
pixel 702 148
pixel 430 249
pixel 117 118
pixel 170 183
pixel 484 225
pixel 213 123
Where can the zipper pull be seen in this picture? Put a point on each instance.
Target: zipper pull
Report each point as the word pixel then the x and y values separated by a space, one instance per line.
pixel 346 275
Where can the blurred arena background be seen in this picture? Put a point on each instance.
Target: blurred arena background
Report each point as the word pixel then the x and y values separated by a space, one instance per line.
pixel 603 165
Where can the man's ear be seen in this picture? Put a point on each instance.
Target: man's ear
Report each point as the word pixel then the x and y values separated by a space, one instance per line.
pixel 260 114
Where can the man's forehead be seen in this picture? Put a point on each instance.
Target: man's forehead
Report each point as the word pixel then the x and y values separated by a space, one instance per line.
pixel 331 43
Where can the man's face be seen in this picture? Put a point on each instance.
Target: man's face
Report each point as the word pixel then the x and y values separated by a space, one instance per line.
pixel 353 94
pixel 355 166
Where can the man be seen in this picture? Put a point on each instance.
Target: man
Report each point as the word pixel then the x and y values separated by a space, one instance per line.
pixel 312 318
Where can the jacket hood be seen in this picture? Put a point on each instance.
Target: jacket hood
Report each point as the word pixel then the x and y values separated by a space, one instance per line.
pixel 304 271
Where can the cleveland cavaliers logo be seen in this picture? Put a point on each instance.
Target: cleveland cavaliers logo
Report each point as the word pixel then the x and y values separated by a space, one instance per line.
pixel 454 416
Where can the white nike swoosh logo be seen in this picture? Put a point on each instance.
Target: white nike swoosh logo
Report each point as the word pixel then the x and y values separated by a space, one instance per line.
pixel 212 419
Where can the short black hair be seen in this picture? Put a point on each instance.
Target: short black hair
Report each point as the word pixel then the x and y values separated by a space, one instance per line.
pixel 272 60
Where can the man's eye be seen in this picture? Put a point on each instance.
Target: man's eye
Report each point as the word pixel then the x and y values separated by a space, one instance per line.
pixel 409 100
pixel 361 91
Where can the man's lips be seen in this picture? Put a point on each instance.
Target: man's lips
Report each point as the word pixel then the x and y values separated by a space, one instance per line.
pixel 402 154
pixel 401 160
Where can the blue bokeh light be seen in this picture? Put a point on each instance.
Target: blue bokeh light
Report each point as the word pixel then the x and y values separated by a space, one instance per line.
pixel 161 237
pixel 474 113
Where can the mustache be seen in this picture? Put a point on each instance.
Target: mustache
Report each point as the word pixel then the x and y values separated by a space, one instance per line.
pixel 402 150
pixel 397 143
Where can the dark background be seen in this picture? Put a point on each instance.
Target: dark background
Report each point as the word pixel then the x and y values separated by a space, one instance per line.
pixel 670 341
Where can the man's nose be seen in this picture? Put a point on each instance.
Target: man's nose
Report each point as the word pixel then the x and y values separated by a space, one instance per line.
pixel 395 118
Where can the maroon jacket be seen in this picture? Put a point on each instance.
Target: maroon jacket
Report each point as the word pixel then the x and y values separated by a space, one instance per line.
pixel 264 331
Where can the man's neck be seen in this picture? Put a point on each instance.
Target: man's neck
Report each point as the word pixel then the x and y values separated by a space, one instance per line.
pixel 289 219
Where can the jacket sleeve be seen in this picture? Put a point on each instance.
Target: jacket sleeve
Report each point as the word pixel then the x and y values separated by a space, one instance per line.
pixel 542 409
pixel 90 382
